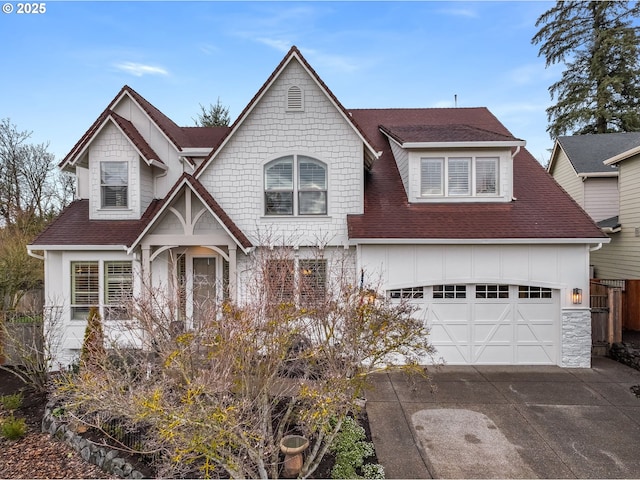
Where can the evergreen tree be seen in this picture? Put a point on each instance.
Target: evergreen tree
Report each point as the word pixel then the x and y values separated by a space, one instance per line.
pixel 599 91
pixel 215 116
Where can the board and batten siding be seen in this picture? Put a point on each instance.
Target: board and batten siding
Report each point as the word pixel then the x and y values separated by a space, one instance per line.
pixel 601 197
pixel 554 266
pixel 564 173
pixel 620 259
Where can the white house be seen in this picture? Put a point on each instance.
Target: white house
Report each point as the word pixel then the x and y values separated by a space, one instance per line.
pixel 444 205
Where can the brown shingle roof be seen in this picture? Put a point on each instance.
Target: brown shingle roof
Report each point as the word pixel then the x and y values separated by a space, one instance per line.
pixel 541 209
pixel 73 227
pixel 137 139
pixel 442 133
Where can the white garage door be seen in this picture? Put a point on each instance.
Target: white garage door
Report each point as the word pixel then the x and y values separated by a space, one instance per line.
pixel 490 324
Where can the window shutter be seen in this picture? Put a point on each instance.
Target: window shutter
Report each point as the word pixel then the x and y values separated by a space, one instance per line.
pixel 486 175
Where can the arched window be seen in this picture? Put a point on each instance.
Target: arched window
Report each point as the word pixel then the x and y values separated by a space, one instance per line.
pixel 295 185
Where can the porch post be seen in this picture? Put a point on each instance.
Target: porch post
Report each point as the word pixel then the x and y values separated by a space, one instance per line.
pixel 146 266
pixel 233 281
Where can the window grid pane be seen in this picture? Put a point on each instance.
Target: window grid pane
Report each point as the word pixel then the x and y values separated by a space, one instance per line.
pixel 313 280
pixel 85 285
pixel 486 176
pixel 413 292
pixel 458 176
pixel 492 291
pixel 449 291
pixel 280 280
pixel 279 175
pixel 118 288
pixel 431 176
pixel 525 291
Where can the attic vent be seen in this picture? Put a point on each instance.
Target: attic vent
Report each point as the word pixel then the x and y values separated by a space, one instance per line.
pixel 294 99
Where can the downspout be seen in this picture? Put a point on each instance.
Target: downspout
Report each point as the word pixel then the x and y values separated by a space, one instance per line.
pixel 595 249
pixel 155 181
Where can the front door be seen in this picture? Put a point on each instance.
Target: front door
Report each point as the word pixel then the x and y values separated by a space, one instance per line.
pixel 204 288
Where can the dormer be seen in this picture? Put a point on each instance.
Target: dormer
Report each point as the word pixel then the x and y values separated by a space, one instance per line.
pixel 453 163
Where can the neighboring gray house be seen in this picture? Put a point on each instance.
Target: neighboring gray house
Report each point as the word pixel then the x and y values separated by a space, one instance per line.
pixel 602 174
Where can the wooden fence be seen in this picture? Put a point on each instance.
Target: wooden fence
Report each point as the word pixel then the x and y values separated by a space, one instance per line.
pixel 615 306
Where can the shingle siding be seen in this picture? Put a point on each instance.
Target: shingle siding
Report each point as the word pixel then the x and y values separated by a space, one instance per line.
pixel 235 177
pixel 111 145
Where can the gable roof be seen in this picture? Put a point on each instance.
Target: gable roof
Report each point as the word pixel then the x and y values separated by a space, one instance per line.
pixel 188 181
pixel 540 210
pixel 180 137
pixel 293 53
pixel 587 153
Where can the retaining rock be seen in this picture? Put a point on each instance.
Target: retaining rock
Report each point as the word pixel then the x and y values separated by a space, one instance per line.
pixel 105 458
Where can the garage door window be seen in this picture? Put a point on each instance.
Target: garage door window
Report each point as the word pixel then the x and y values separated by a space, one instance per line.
pixel 449 291
pixel 525 291
pixel 414 292
pixel 492 291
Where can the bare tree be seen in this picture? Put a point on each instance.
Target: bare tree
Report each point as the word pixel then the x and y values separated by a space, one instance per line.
pixel 217 398
pixel 29 188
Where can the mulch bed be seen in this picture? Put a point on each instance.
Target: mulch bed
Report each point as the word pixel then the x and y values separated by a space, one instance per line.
pixel 37 455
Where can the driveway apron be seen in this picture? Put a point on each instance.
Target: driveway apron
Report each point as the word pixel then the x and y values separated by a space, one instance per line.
pixel 508 422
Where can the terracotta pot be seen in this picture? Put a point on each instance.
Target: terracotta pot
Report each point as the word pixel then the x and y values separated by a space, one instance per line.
pixel 292 446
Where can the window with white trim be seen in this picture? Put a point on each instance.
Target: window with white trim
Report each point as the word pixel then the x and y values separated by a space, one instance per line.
pixel 118 289
pixel 114 184
pixel 303 281
pixel 85 288
pixel 295 185
pixel 459 176
pixel 115 288
pixel 449 291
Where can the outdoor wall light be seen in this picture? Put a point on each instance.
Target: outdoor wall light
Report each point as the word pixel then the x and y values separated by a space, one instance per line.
pixel 576 296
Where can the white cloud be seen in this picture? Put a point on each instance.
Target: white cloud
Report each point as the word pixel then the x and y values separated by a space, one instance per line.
pixel 460 12
pixel 280 45
pixel 533 73
pixel 140 69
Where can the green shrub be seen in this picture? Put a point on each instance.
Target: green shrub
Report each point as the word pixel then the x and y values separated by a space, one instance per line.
pixel 13 428
pixel 351 448
pixel 11 402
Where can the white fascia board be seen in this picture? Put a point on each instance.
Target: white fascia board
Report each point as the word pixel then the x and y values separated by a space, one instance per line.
pixel 610 174
pixel 475 241
pixel 83 248
pixel 514 143
pixel 196 151
pixel 622 156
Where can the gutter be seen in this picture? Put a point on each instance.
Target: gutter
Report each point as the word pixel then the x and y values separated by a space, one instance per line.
pixel 34 255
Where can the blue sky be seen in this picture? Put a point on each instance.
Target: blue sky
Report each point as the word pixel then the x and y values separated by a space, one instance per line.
pixel 61 68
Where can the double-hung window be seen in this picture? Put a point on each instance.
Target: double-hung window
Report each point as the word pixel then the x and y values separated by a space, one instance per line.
pixel 85 288
pixel 458 176
pixel 118 289
pixel 114 184
pixel 295 185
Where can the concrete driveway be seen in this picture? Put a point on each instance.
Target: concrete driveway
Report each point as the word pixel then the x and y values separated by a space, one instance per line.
pixel 508 422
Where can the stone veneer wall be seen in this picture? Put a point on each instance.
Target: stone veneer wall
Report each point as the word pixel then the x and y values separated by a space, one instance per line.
pixel 102 456
pixel 576 338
